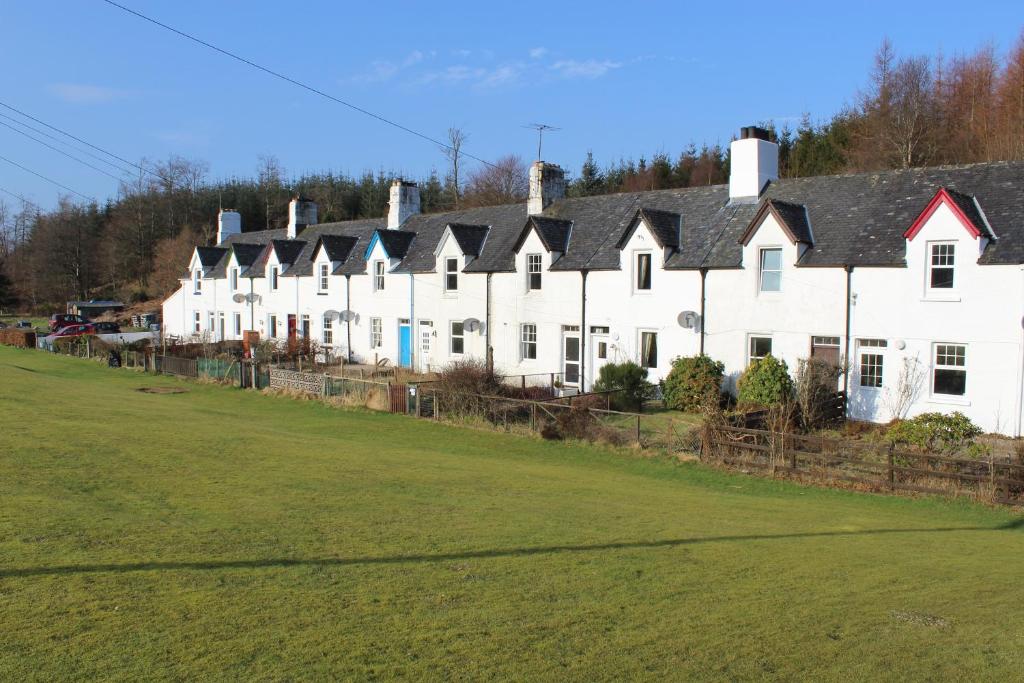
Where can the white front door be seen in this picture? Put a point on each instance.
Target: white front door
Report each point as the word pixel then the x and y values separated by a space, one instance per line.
pixel 571 359
pixel 425 343
pixel 600 355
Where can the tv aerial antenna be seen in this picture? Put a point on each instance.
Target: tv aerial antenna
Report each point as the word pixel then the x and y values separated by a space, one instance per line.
pixel 540 128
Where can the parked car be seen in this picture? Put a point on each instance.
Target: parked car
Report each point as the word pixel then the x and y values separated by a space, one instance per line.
pixel 107 328
pixel 3 325
pixel 61 320
pixel 24 325
pixel 74 331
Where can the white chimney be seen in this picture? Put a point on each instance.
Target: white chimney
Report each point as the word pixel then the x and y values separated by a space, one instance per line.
pixel 547 185
pixel 753 162
pixel 229 223
pixel 301 212
pixel 405 202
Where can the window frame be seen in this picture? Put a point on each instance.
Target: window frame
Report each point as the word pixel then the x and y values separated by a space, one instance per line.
pixel 197 322
pixel 528 341
pixel 275 278
pixel 637 256
pixel 236 323
pixel 327 330
pixel 946 367
pixel 234 279
pixel 378 275
pixel 460 337
pixel 642 352
pixel 750 347
pixel 197 281
pixel 931 266
pixel 761 270
pixel 323 278
pixel 376 333
pixel 534 269
pixel 451 274
pixel 272 325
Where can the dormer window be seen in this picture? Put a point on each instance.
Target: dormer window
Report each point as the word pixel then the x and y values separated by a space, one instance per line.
pixel 941 265
pixel 451 274
pixel 197 281
pixel 378 276
pixel 770 275
pixel 534 267
pixel 323 280
pixel 642 274
pixel 234 279
pixel 274 273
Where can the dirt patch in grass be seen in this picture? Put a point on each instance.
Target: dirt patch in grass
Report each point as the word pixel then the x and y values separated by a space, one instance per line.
pixel 162 390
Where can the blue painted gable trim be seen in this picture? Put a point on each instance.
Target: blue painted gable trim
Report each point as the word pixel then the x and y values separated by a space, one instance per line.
pixel 374 241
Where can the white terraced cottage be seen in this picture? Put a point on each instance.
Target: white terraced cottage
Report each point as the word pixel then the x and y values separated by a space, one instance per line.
pixel 920 269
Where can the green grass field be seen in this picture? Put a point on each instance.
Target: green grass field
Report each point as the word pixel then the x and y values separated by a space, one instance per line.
pixel 220 534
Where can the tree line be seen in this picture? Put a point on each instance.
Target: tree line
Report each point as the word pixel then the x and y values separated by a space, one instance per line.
pixel 912 111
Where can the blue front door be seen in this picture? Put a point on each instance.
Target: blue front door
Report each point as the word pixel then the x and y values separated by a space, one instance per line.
pixel 405 346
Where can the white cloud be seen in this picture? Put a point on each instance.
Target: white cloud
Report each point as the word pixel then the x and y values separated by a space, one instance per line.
pixel 384 70
pixel 538 52
pixel 83 93
pixel 588 68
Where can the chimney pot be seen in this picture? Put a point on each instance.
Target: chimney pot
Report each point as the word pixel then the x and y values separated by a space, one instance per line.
pixel 753 163
pixel 547 185
pixel 404 202
pixel 301 213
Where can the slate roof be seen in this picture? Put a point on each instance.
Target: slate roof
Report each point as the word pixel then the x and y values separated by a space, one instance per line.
pixel 969 206
pixel 857 219
pixel 470 238
pixel 337 247
pixel 209 257
pixel 664 225
pixel 792 219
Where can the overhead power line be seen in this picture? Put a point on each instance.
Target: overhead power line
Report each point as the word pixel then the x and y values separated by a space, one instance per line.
pixel 64 142
pixel 49 180
pixel 60 151
pixel 19 197
pixel 295 82
pixel 84 142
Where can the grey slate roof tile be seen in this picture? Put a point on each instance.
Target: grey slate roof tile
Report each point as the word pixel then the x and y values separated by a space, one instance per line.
pixel 470 238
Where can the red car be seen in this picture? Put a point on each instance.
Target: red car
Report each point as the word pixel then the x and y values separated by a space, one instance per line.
pixel 59 321
pixel 75 331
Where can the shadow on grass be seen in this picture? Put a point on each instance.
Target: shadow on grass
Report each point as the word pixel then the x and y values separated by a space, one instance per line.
pixel 467 555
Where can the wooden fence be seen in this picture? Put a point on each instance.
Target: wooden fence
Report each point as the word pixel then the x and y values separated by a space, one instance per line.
pixel 182 367
pixel 879 467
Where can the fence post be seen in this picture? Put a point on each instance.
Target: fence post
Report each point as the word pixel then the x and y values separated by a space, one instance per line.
pixel 892 470
pixel 638 430
pixel 418 411
pixel 533 417
pixel 992 474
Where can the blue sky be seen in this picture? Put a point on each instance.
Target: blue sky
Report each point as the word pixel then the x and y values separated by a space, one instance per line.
pixel 621 79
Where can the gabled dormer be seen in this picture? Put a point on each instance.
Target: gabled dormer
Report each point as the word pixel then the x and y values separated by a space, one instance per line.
pixel 664 228
pixel 329 255
pixel 553 233
pixel 460 245
pixel 385 252
pixel 947 237
pixel 275 260
pixel 203 261
pixel 775 239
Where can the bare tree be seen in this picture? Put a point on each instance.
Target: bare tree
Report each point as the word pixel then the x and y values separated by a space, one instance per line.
pixel 504 182
pixel 453 152
pixel 900 398
pixel 271 182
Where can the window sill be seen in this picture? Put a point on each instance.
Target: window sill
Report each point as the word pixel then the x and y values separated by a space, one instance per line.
pixel 643 292
pixel 930 298
pixel 948 400
pixel 322 293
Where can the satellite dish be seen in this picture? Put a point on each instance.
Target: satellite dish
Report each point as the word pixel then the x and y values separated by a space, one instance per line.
pixel 330 313
pixel 347 316
pixel 900 344
pixel 253 297
pixel 238 298
pixel 688 320
pixel 471 325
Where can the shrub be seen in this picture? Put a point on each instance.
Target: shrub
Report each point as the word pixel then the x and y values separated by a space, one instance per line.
pixel 468 376
pixel 694 383
pixel 765 383
pixel 938 433
pixel 628 380
pixel 815 388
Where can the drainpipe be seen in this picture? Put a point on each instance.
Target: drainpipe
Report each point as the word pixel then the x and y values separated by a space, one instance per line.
pixel 348 323
pixel 1020 379
pixel 489 352
pixel 252 310
pixel 583 333
pixel 703 301
pixel 846 363
pixel 412 323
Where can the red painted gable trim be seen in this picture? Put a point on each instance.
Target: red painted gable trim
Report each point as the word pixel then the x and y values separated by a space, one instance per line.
pixel 942 196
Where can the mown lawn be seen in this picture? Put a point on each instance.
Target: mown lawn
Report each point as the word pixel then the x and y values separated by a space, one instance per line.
pixel 218 534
